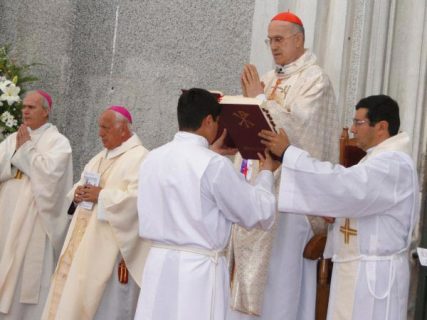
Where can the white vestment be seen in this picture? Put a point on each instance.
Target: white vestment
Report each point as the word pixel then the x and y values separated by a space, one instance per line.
pixel 188 199
pixel 379 198
pixel 85 284
pixel 34 181
pixel 301 100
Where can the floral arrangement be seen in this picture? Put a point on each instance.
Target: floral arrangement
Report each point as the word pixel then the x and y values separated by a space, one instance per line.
pixel 12 77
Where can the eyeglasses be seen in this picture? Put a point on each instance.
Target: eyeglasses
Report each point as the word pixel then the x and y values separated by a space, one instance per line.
pixel 357 122
pixel 277 40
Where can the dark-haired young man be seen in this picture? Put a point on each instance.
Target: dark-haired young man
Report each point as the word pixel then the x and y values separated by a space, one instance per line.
pixel 188 198
pixel 375 204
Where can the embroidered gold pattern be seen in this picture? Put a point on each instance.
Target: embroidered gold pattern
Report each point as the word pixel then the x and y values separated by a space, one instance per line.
pixel 18 174
pixel 243 117
pixel 347 231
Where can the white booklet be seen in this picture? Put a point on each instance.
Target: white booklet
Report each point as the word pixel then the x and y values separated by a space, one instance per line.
pixel 422 255
pixel 93 179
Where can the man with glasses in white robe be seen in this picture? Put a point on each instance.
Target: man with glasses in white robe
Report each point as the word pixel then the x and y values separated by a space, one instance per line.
pixel 376 207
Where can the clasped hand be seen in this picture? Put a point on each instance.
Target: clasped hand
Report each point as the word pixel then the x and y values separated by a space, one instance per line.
pixel 22 136
pixel 87 192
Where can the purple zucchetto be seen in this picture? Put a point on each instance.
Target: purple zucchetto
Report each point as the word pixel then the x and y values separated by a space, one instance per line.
pixel 47 96
pixel 123 111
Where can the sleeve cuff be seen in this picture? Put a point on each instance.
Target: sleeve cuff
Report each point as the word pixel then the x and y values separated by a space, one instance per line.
pixel 261 97
pixel 291 156
pixel 265 178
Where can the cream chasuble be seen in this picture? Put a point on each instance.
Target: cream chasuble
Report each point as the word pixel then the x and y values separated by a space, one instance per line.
pixel 33 217
pixel 92 246
pixel 301 100
pixel 376 205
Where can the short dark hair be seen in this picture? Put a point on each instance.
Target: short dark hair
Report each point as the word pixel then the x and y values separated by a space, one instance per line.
pixel 381 107
pixel 193 106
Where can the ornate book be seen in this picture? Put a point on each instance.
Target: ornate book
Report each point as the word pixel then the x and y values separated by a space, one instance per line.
pixel 244 118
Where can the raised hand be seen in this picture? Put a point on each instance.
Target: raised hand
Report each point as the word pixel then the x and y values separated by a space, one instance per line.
pixel 22 136
pixel 250 82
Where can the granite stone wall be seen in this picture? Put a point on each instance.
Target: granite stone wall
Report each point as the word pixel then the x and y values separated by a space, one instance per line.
pixel 133 53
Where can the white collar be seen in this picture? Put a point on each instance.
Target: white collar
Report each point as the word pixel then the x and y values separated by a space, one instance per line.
pixel 40 129
pixel 125 146
pixel 307 59
pixel 190 137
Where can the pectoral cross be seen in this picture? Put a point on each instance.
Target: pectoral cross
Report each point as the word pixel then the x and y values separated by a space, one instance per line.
pixel 347 231
pixel 276 86
pixel 18 174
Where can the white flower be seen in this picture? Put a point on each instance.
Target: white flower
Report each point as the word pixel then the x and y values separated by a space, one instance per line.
pixel 8 119
pixel 10 92
pixel 4 116
pixel 4 84
pixel 11 123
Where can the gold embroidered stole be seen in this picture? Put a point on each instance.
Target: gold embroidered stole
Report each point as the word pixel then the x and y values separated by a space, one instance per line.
pixel 254 245
pixel 345 273
pixel 82 217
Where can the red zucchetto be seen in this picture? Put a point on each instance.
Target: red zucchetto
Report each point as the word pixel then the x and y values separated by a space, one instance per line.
pixel 288 16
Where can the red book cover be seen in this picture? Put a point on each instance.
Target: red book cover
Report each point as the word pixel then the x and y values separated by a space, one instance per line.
pixel 244 118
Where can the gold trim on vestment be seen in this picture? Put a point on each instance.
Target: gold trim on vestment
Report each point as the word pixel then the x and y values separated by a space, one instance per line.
pixel 347 231
pixel 18 174
pixel 64 264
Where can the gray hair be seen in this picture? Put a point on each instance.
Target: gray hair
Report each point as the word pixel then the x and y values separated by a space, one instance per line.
pixel 299 29
pixel 45 103
pixel 122 118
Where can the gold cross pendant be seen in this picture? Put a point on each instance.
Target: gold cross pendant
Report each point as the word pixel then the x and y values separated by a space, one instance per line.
pixel 276 86
pixel 18 174
pixel 347 231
